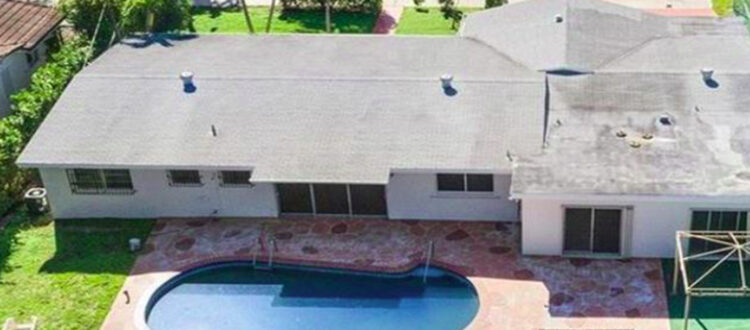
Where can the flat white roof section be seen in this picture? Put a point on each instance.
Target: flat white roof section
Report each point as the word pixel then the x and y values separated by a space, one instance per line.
pixel 353 125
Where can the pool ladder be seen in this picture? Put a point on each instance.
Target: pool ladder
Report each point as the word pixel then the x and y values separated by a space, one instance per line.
pixel 428 257
pixel 271 247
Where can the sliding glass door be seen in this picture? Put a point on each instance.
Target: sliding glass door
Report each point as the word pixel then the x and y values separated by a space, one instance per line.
pixel 592 230
pixel 295 198
pixel 332 199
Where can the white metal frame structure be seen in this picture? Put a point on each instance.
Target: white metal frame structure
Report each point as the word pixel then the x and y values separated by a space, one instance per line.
pixel 733 246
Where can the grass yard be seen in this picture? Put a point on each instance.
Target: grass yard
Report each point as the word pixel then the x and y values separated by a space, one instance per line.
pixel 430 22
pixel 709 313
pixel 66 273
pixel 232 20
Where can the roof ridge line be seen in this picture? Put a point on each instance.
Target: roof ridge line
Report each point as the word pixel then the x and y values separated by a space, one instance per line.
pixel 630 51
pixel 310 78
pixel 498 52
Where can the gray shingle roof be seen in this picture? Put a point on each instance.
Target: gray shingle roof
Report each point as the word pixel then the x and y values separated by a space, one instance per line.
pixel 721 44
pixel 591 33
pixel 706 152
pixel 355 109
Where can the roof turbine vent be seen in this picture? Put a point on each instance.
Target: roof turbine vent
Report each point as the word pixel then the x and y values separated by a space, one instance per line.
pixel 187 81
pixel 446 80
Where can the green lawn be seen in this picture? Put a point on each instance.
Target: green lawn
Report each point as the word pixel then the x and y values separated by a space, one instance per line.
pixel 66 273
pixel 232 20
pixel 709 313
pixel 429 22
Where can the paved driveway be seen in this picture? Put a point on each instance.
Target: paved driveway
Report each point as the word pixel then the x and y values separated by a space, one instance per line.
pixel 515 292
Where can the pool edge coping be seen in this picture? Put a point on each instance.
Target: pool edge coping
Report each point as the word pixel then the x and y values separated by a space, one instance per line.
pixel 139 316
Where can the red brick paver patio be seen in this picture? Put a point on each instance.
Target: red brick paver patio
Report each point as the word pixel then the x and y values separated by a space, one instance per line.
pixel 515 292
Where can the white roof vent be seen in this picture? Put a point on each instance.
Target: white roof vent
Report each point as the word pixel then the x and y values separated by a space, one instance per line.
pixel 187 81
pixel 707 73
pixel 446 80
pixel 558 18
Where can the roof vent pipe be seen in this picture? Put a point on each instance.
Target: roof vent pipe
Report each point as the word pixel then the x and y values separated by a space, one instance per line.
pixel 187 81
pixel 707 74
pixel 558 18
pixel 446 80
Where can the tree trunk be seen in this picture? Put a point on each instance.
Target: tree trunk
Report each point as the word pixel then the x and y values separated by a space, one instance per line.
pixel 247 17
pixel 270 16
pixel 328 16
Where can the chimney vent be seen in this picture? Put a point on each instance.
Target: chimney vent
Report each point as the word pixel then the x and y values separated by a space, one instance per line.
pixel 707 74
pixel 446 80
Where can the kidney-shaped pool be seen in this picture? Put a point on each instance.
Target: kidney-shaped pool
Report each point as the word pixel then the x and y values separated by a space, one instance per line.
pixel 237 296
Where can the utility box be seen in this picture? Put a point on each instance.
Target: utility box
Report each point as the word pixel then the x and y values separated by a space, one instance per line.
pixel 36 201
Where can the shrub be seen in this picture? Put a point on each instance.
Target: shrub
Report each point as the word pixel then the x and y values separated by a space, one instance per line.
pixel 742 9
pixel 168 15
pixel 130 15
pixel 494 3
pixel 365 6
pixel 722 7
pixel 449 10
pixel 28 108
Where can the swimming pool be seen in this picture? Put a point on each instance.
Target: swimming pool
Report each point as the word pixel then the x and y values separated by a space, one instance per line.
pixel 237 296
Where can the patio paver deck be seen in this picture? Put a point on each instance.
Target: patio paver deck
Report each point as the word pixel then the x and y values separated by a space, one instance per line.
pixel 515 292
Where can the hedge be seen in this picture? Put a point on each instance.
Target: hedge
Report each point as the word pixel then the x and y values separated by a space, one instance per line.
pixel 28 108
pixel 365 6
pixel 129 15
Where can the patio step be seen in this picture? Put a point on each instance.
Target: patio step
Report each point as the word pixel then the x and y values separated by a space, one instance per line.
pixel 10 324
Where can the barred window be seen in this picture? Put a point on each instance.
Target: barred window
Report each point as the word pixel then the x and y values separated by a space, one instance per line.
pixel 184 178
pixel 235 178
pixel 98 181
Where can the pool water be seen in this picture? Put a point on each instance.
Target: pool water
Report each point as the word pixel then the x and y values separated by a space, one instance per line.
pixel 236 296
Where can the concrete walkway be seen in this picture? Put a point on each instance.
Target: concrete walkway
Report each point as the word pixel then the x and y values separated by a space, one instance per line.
pixel 515 292
pixel 388 20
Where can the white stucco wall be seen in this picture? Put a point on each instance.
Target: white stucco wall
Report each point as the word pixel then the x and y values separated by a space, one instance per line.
pixel 415 196
pixel 653 222
pixel 154 197
pixel 15 74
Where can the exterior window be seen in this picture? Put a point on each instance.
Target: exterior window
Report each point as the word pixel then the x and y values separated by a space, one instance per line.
pixel 592 230
pixel 95 181
pixel 465 182
pixel 235 178
pixel 709 220
pixel 184 178
pixel 479 182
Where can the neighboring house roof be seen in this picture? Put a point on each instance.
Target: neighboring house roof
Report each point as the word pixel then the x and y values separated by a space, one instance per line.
pixel 705 152
pixel 579 35
pixel 24 24
pixel 693 43
pixel 296 108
